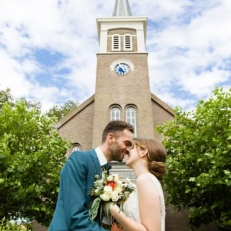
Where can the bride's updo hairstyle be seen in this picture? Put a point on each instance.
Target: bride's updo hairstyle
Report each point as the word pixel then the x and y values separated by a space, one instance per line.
pixel 156 155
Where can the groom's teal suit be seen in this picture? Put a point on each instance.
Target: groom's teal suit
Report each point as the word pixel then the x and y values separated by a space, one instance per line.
pixel 76 180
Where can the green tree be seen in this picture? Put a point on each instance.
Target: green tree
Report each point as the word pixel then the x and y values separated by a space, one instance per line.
pixel 5 97
pixel 199 160
pixel 32 104
pixel 60 111
pixel 31 156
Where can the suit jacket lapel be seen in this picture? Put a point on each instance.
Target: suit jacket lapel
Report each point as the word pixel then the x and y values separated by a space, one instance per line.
pixel 95 162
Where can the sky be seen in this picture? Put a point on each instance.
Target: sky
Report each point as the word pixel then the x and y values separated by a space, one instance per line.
pixel 48 48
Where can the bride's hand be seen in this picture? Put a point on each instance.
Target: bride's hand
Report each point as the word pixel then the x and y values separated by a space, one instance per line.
pixel 114 208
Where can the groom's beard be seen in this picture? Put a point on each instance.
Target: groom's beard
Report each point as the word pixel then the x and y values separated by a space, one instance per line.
pixel 118 153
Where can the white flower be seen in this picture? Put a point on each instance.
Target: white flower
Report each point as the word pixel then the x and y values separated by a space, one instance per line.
pixel 119 189
pixel 105 197
pixel 107 189
pixel 115 196
pixel 110 178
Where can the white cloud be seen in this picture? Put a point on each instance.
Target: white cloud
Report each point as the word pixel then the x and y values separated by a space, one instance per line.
pixel 193 55
pixel 188 44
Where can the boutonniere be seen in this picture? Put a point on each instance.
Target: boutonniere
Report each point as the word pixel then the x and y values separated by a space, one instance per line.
pixel 97 176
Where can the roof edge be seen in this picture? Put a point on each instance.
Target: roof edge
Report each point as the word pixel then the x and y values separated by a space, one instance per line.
pixel 162 104
pixel 75 111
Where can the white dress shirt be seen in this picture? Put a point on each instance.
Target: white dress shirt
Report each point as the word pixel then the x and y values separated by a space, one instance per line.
pixel 101 157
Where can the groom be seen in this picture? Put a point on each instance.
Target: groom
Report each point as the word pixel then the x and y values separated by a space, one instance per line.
pixel 78 175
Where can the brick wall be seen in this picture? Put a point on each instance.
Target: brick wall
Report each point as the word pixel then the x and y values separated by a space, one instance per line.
pixel 78 129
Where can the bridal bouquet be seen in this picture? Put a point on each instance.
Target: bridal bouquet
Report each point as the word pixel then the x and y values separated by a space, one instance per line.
pixel 109 189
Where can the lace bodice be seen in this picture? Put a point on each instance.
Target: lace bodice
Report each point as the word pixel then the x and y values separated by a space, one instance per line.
pixel 131 206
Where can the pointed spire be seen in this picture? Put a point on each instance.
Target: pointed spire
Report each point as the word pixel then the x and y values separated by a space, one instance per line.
pixel 122 8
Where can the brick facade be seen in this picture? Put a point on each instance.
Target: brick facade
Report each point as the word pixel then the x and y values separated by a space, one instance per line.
pixel 84 124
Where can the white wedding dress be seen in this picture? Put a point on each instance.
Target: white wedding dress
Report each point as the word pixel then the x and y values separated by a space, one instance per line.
pixel 131 206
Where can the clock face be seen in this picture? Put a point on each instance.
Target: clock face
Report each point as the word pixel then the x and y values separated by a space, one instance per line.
pixel 122 68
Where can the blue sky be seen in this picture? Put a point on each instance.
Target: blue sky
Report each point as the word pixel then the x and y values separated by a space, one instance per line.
pixel 48 48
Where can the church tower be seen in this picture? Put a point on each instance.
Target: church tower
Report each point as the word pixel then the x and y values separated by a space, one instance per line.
pixel 122 89
pixel 122 80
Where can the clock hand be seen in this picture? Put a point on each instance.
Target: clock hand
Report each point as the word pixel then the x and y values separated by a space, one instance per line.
pixel 122 68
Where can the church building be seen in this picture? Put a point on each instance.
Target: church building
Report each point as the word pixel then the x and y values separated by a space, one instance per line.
pixel 122 89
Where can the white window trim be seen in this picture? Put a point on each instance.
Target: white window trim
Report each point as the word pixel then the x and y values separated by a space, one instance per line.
pixel 135 118
pixel 130 42
pixel 115 107
pixel 113 42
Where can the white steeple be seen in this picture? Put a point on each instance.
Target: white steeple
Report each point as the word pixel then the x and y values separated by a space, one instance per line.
pixel 122 8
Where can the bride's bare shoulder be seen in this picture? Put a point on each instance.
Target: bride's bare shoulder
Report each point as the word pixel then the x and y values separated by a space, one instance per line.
pixel 145 177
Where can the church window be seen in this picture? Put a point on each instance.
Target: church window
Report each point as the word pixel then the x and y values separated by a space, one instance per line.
pixel 115 113
pixel 127 42
pixel 75 147
pixel 131 117
pixel 116 42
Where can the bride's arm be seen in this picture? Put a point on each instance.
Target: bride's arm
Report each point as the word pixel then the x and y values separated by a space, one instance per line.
pixel 149 206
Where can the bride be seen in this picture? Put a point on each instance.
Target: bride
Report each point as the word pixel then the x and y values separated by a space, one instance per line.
pixel 144 210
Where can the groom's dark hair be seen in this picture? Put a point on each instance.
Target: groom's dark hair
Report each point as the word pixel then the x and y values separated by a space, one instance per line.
pixel 116 126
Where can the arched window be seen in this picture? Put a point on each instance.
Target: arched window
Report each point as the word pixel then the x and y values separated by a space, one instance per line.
pixel 131 117
pixel 115 113
pixel 75 147
pixel 116 42
pixel 127 42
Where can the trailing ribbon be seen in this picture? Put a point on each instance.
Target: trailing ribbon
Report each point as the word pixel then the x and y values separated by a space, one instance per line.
pixel 94 208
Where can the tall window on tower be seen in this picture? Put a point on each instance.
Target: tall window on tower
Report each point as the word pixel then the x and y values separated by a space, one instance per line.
pixel 116 42
pixel 115 113
pixel 131 117
pixel 127 42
